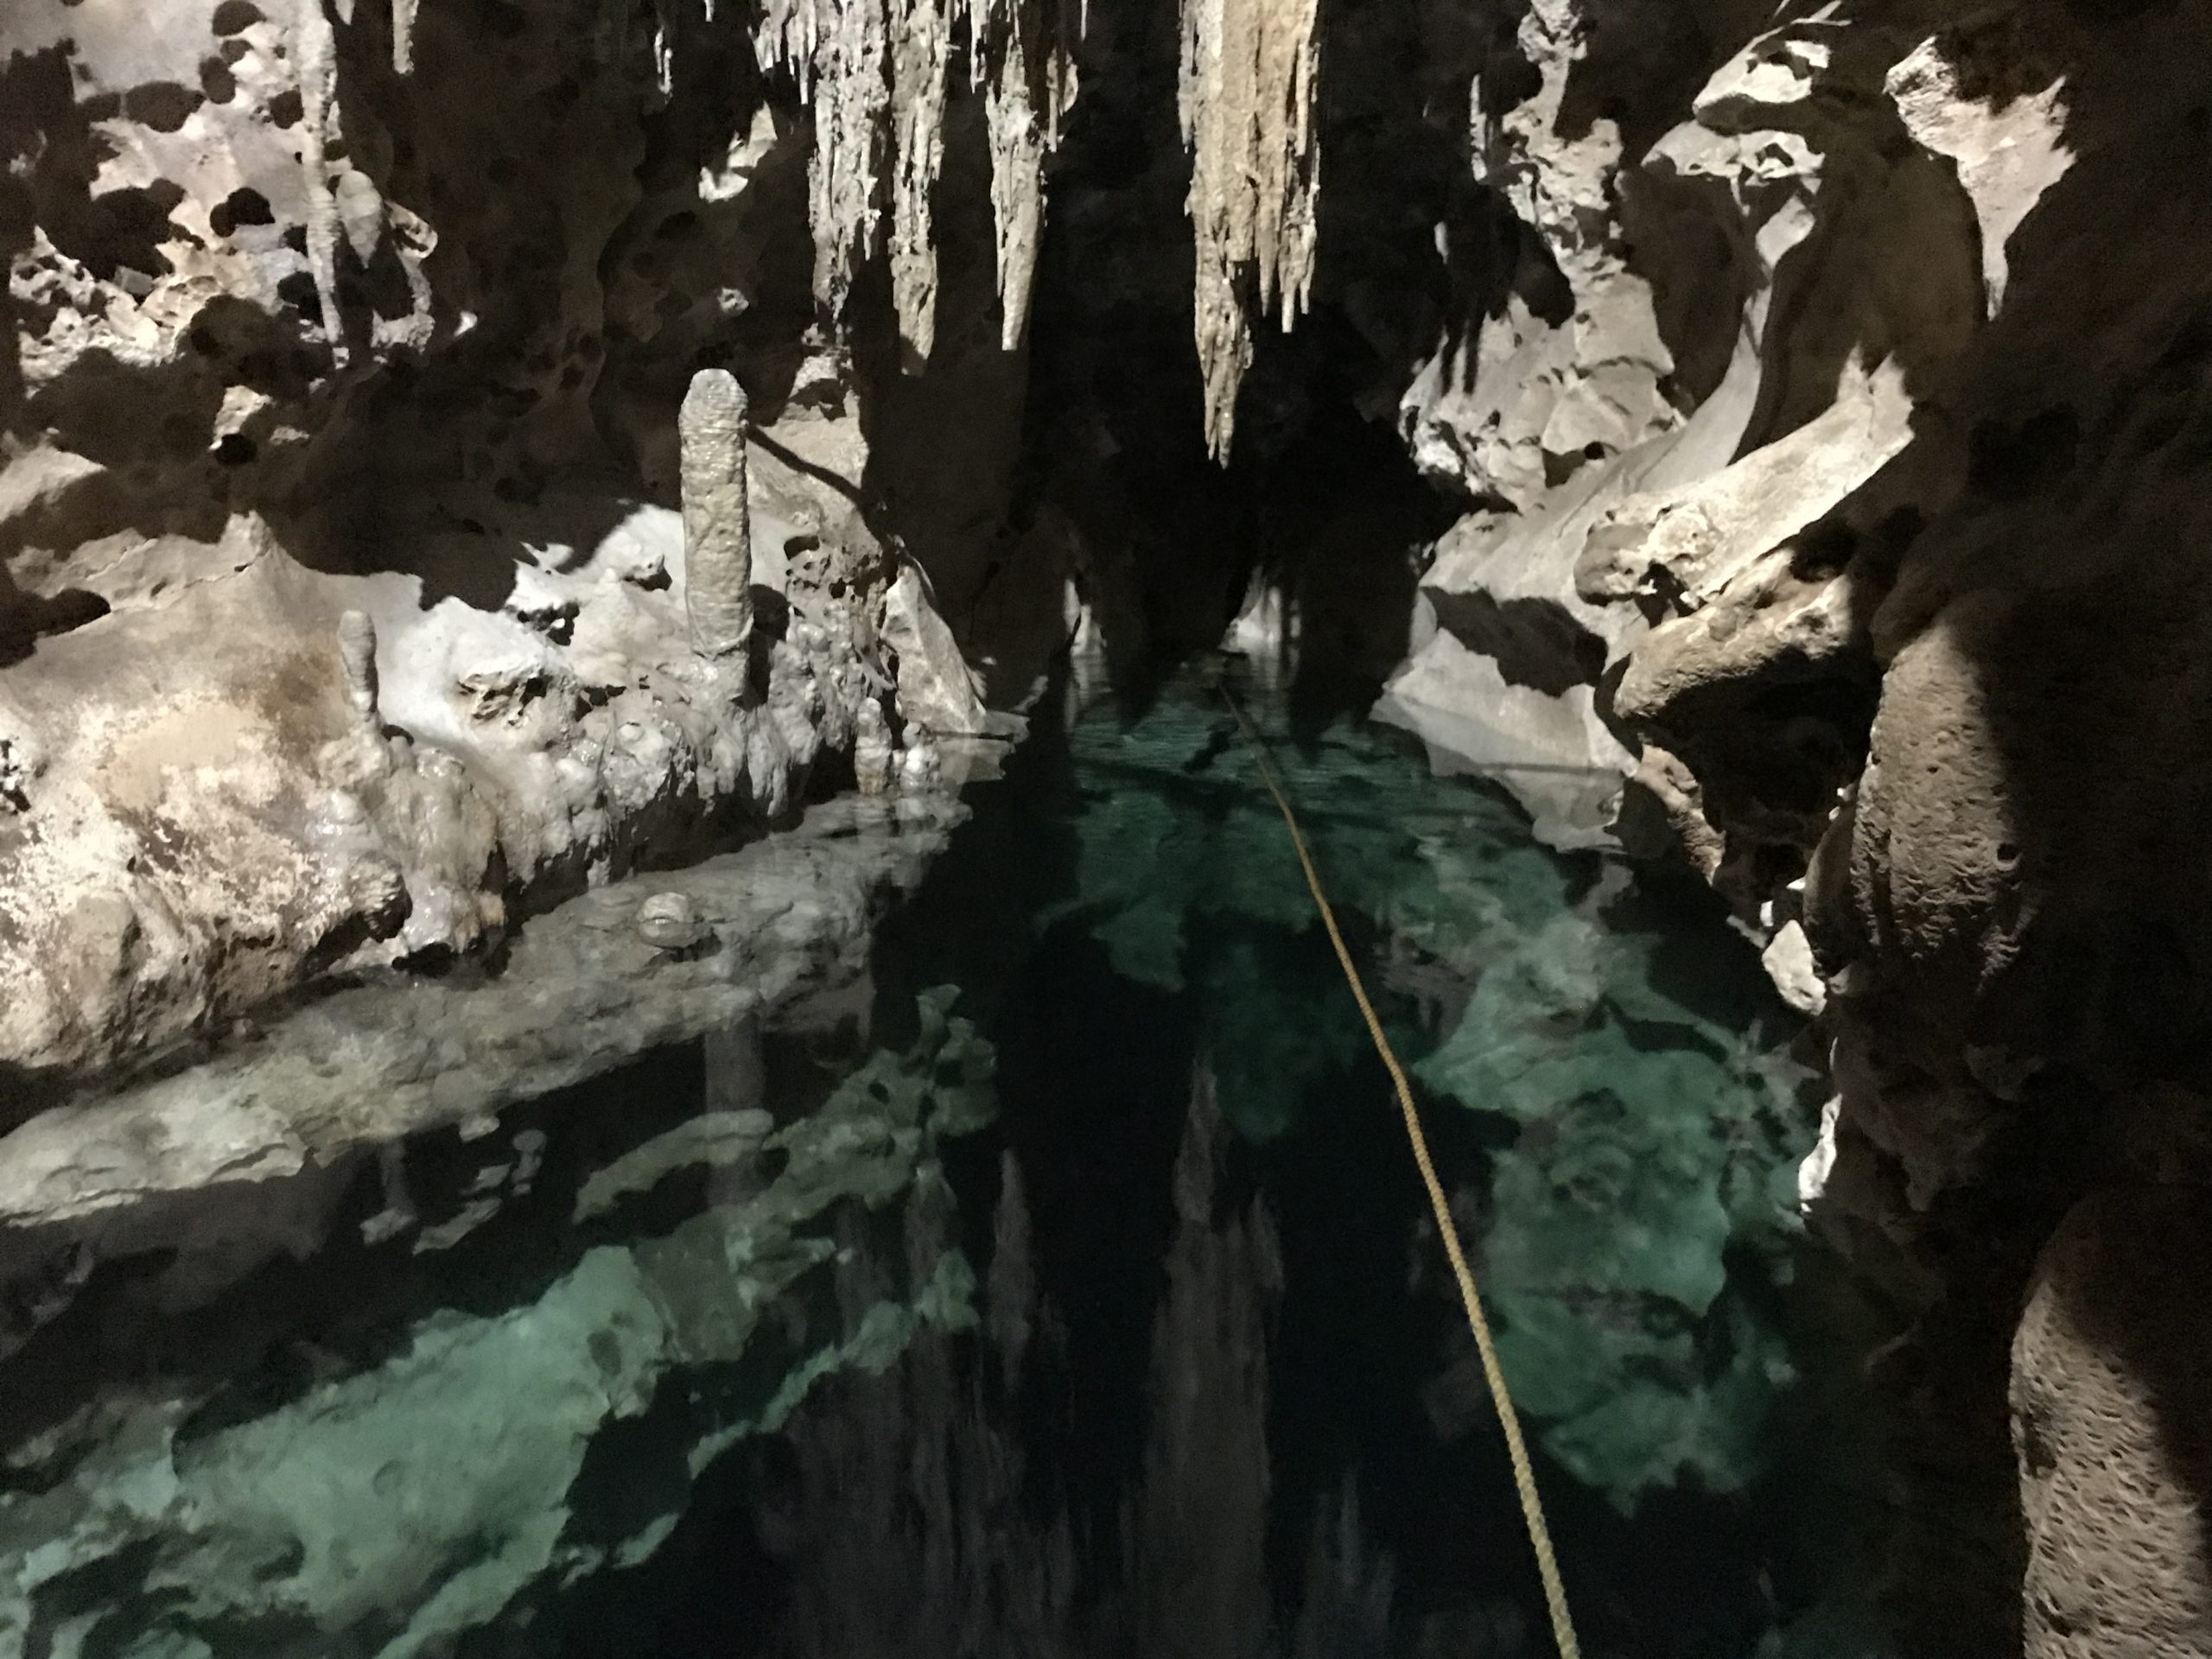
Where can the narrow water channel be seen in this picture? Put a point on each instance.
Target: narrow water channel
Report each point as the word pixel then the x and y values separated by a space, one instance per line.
pixel 1064 1288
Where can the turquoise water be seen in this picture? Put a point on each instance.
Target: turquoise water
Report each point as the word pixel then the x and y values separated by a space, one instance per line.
pixel 1603 1066
pixel 1064 1288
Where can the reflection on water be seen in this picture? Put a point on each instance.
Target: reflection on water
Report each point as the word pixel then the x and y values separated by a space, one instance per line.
pixel 1069 1292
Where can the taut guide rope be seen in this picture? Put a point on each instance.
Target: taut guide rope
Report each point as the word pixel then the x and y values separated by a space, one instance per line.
pixel 1525 1477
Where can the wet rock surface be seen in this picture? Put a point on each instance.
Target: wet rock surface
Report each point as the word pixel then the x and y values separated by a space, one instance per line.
pixel 1813 457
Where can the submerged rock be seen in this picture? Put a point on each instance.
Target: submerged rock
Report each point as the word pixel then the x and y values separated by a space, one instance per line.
pixel 406 1463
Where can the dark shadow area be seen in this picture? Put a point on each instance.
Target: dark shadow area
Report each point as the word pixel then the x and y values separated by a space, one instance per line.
pixel 27 618
pixel 1534 642
pixel 1319 500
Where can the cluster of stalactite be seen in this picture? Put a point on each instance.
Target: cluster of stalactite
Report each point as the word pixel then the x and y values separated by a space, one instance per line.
pixel 877 73
pixel 1250 69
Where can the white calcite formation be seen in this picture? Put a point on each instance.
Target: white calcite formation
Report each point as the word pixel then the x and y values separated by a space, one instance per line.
pixel 346 618
pixel 1246 102
pixel 875 73
pixel 314 52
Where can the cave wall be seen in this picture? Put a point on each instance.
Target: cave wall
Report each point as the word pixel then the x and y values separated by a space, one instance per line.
pixel 1833 468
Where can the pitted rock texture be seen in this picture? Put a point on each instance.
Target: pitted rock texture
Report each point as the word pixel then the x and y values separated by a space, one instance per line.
pixel 2112 1374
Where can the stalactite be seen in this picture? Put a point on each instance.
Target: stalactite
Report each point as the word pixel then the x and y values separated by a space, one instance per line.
pixel 875 73
pixel 315 48
pixel 921 52
pixel 402 36
pixel 666 22
pixel 1017 190
pixel 838 50
pixel 1021 57
pixel 1249 70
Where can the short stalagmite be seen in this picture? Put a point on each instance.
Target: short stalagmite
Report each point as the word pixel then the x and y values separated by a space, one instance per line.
pixel 356 650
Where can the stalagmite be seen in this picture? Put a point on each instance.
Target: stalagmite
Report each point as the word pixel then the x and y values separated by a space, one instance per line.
pixel 315 49
pixel 873 755
pixel 717 526
pixel 1246 101
pixel 356 652
pixel 402 36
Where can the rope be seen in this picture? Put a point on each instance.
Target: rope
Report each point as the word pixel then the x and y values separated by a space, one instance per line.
pixel 1525 1477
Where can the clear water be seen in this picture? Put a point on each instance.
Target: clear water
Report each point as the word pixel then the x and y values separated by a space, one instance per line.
pixel 950 1326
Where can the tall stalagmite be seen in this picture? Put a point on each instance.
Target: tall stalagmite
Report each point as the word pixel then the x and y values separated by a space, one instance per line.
pixel 717 524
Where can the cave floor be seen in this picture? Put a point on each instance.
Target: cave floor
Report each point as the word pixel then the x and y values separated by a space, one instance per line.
pixel 1060 1285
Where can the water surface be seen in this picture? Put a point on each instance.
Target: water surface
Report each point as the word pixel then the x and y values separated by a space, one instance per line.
pixel 1063 1286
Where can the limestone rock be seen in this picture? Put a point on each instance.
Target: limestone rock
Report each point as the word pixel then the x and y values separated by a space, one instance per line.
pixel 1789 962
pixel 1553 753
pixel 1245 100
pixel 245 402
pixel 1683 545
pixel 669 921
pixel 2008 153
pixel 936 689
pixel 2112 1374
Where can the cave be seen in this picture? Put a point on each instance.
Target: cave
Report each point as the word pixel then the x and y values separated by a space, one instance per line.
pixel 1103 829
